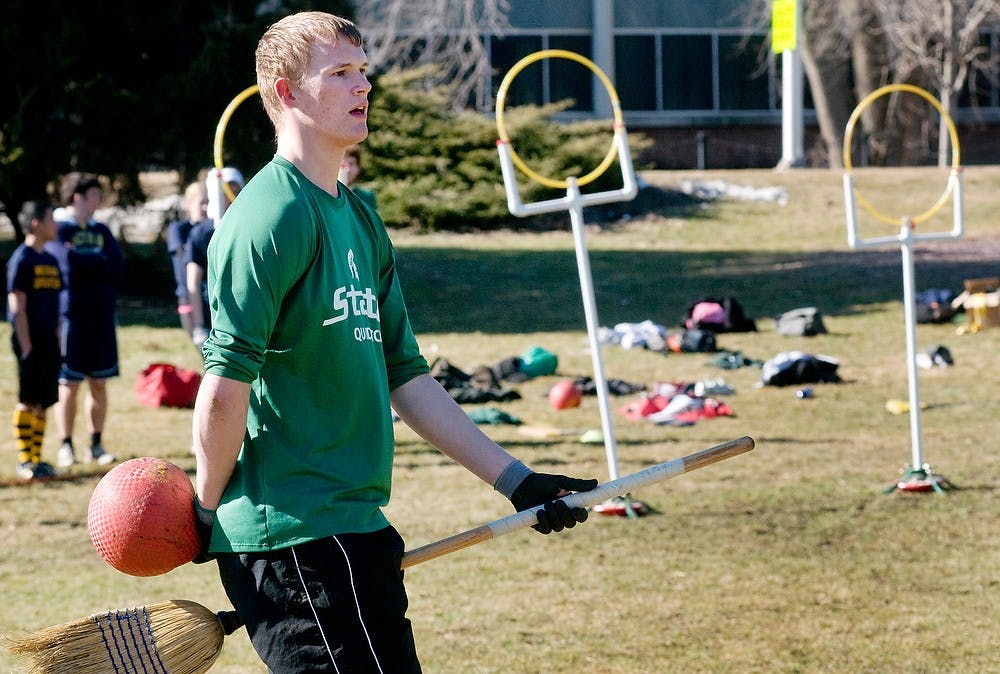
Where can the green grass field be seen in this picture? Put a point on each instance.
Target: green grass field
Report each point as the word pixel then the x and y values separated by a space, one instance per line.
pixel 788 559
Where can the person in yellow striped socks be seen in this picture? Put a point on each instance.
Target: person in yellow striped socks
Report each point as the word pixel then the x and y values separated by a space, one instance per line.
pixel 34 282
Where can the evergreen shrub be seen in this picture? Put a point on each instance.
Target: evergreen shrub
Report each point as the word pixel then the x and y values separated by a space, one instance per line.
pixel 435 168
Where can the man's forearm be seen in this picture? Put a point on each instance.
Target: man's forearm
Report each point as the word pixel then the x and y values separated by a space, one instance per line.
pixel 220 416
pixel 428 409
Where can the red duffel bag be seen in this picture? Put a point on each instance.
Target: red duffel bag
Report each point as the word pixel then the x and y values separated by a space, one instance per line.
pixel 165 385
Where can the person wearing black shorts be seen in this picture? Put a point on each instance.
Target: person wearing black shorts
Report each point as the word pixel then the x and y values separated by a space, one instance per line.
pixel 34 283
pixel 346 587
pixel 92 263
pixel 310 350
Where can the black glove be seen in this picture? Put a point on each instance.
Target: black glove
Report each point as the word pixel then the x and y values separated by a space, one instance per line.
pixel 539 488
pixel 203 521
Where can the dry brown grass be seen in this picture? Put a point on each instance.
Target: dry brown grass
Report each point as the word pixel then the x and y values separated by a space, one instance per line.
pixel 787 559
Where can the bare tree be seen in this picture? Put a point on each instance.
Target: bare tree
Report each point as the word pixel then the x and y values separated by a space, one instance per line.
pixel 938 42
pixel 934 44
pixel 826 63
pixel 448 33
pixel 824 48
pixel 892 126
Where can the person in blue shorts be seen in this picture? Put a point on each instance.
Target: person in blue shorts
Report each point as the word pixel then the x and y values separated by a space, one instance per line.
pixel 91 262
pixel 310 349
pixel 33 286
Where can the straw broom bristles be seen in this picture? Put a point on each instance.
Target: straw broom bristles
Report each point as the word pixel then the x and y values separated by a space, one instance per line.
pixel 169 637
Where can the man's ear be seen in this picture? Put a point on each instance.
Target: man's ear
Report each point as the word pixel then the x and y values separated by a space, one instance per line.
pixel 283 88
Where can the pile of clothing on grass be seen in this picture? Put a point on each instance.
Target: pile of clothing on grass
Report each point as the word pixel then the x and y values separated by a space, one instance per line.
pixel 487 383
pixel 680 404
pixel 699 325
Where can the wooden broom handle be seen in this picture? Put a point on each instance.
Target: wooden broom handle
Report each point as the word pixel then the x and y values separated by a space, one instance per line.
pixel 600 494
pixel 603 492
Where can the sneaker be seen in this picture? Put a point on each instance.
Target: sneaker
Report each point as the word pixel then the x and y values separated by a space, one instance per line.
pixel 98 454
pixel 65 456
pixel 44 471
pixel 26 471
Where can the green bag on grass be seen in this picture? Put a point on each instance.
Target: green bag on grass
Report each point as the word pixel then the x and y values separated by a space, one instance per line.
pixel 536 362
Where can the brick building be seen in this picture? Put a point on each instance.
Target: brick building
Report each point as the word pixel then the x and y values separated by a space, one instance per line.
pixel 690 75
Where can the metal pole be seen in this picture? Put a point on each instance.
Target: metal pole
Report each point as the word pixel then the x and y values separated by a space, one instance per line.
pixel 574 201
pixel 909 309
pixel 603 47
pixel 851 210
pixel 791 100
pixel 590 312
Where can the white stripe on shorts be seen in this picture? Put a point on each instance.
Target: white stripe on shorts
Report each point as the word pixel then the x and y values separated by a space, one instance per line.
pixel 357 606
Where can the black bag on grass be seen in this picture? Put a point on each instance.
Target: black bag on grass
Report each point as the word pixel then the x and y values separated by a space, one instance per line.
pixel 795 367
pixel 692 340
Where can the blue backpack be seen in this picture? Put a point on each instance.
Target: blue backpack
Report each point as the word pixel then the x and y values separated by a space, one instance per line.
pixel 934 305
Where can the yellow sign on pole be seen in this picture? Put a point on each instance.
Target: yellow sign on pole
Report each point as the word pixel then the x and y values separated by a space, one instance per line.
pixel 784 36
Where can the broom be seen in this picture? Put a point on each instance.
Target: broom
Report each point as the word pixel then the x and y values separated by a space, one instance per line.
pixel 168 637
pixel 183 637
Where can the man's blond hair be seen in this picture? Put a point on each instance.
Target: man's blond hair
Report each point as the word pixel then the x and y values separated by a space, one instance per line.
pixel 285 51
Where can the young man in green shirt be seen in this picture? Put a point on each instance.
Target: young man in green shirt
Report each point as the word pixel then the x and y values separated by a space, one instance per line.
pixel 310 346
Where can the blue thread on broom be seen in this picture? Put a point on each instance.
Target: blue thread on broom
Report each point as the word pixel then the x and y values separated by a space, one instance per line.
pixel 151 642
pixel 137 642
pixel 120 637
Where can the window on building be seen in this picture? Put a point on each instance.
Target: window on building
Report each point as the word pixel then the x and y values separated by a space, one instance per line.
pixel 635 71
pixel 505 52
pixel 548 80
pixel 567 78
pixel 686 64
pixel 743 78
pixel 704 71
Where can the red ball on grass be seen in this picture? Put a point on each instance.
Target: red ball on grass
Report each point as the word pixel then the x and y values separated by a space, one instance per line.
pixel 141 517
pixel 565 394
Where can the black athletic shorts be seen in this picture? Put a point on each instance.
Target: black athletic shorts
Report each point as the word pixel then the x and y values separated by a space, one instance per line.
pixel 90 349
pixel 333 605
pixel 38 374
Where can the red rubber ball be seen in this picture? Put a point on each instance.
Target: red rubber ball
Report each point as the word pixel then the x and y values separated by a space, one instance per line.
pixel 564 394
pixel 141 517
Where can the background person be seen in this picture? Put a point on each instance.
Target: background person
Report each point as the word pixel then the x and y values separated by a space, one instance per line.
pixel 310 344
pixel 178 232
pixel 91 262
pixel 33 286
pixel 218 198
pixel 350 169
pixel 196 254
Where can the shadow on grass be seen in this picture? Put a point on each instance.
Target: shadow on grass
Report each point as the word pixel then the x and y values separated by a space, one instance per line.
pixel 473 290
pixel 467 290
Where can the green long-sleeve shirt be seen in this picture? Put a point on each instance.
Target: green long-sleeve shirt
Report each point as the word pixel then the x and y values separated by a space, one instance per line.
pixel 307 309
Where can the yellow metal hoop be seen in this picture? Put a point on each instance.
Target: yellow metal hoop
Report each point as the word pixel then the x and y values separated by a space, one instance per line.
pixel 220 132
pixel 952 132
pixel 504 138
